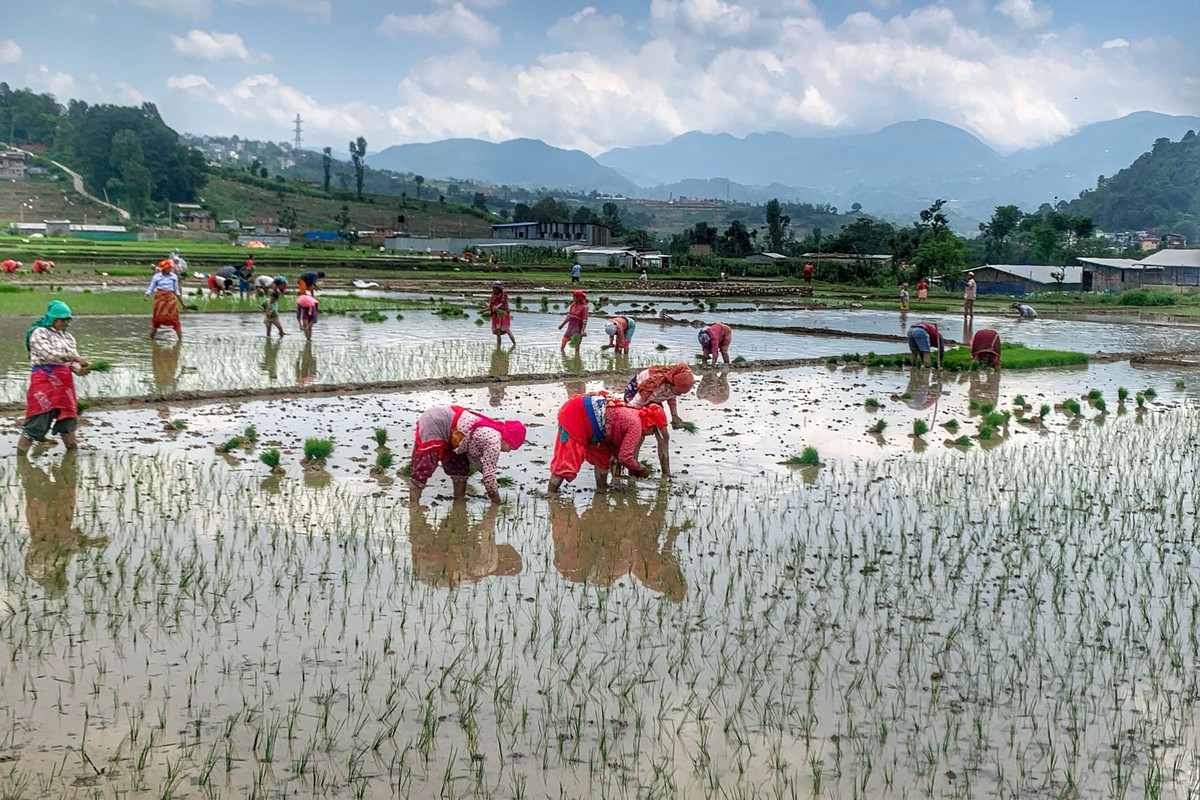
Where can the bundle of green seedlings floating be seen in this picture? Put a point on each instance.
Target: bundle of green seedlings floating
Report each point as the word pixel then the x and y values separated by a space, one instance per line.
pixel 1044 410
pixel 317 449
pixel 986 432
pixel 660 347
pixel 177 424
pixel 1019 401
pixel 1150 393
pixel 1180 385
pixel 807 458
pixel 687 426
pixel 1122 395
pixel 963 441
pixel 997 419
pixel 232 444
pixel 739 359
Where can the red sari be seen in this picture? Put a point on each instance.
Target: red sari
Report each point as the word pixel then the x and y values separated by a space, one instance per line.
pixel 166 311
pixel 51 387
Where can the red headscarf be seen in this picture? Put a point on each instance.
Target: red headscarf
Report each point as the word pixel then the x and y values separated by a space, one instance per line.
pixel 652 416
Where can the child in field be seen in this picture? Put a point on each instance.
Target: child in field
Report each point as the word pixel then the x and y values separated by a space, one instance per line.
pixel 904 297
pixel 270 307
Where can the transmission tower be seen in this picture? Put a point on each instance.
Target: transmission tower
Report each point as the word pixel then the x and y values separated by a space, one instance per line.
pixel 299 139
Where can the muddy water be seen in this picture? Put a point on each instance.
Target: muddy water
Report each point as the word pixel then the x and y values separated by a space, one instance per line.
pixel 1089 337
pixel 223 351
pixel 892 623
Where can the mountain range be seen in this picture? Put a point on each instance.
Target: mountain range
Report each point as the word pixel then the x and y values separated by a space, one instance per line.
pixel 894 171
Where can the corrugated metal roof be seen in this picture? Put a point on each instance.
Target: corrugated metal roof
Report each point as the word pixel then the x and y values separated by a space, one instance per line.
pixel 1173 258
pixel 1038 273
pixel 1113 263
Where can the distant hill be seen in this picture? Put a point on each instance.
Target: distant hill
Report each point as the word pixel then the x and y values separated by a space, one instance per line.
pixel 518 162
pixel 1159 191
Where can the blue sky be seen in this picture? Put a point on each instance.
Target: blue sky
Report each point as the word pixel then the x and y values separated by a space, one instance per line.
pixel 1016 73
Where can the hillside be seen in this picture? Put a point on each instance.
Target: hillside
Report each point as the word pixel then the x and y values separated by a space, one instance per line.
pixel 1159 191
pixel 40 199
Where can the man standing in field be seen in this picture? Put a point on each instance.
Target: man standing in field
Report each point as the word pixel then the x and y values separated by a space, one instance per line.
pixel 576 272
pixel 969 293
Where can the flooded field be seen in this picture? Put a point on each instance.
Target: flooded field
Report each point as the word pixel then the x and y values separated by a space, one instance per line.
pixel 829 633
pixel 950 614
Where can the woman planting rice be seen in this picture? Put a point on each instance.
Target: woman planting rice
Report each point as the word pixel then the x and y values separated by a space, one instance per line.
pixel 50 402
pixel 715 339
pixel 605 432
pixel 164 285
pixel 459 439
pixel 921 337
pixel 620 332
pixel 661 384
pixel 306 314
pixel 576 321
pixel 985 347
pixel 501 315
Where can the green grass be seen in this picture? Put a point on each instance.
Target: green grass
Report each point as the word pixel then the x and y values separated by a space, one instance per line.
pixel 1016 356
pixel 317 449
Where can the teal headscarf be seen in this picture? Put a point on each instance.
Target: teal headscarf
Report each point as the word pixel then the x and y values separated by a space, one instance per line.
pixel 57 310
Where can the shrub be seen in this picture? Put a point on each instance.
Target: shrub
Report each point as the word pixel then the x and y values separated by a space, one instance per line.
pixel 270 458
pixel 317 449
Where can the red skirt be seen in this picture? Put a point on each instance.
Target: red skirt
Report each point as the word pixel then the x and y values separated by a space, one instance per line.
pixel 574 445
pixel 166 310
pixel 50 388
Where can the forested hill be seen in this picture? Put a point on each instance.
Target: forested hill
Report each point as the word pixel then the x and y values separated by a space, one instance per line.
pixel 1160 191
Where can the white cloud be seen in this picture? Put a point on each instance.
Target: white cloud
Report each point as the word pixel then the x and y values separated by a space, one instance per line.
pixel 1111 43
pixel 214 46
pixel 60 84
pixel 589 30
pixel 186 82
pixel 10 52
pixel 1024 13
pixel 318 9
pixel 451 21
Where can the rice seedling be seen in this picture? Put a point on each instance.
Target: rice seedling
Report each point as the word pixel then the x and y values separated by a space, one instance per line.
pixel 381 437
pixel 177 424
pixel 99 365
pixel 383 459
pixel 871 404
pixel 1071 406
pixel 1100 405
pixel 951 425
pixel 986 432
pixel 1150 393
pixel 231 444
pixel 1180 385
pixel 1122 395
pixel 506 482
pixel 964 441
pixel 1093 395
pixel 997 419
pixel 1140 399
pixel 250 434
pixel 739 360
pixel 317 449
pixel 1044 410
pixel 661 348
pixel 1019 401
pixel 878 426
pixel 270 457
pixel 920 427
pixel 807 458
pixel 372 316
pixel 687 426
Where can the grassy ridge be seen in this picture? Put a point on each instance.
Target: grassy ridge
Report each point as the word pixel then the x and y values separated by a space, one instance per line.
pixel 24 303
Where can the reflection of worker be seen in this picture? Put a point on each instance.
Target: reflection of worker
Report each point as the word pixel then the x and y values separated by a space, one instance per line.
pixel 499 370
pixel 615 537
pixel 714 387
pixel 165 363
pixel 270 362
pixel 306 366
pixel 49 512
pixel 923 390
pixel 984 387
pixel 455 551
pixel 574 364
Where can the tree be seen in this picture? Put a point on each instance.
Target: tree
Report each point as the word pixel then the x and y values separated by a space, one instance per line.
pixel 419 180
pixel 777 224
pixel 735 242
pixel 287 217
pixel 856 208
pixel 327 165
pixel 128 162
pixel 547 209
pixel 996 231
pixel 938 250
pixel 479 201
pixel 610 215
pixel 585 215
pixel 358 155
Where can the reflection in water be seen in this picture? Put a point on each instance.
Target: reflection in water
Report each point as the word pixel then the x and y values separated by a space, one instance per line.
pixel 164 362
pixel 498 369
pixel 714 387
pixel 457 552
pixel 270 359
pixel 968 325
pixel 574 363
pixel 618 536
pixel 306 366
pixel 49 512
pixel 984 386
pixel 903 323
pixel 923 389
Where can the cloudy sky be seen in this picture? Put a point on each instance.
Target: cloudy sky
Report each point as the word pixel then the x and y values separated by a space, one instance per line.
pixel 1016 73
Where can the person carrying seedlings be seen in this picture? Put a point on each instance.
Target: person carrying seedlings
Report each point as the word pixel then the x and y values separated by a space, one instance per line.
pixel 461 439
pixel 270 307
pixel 970 291
pixel 715 339
pixel 50 403
pixel 501 315
pixel 308 282
pixel 922 290
pixel 661 384
pixel 620 330
pixel 164 285
pixel 904 297
pixel 306 314
pixel 575 321
pixel 606 432
pixel 1024 311
pixel 922 337
pixel 985 347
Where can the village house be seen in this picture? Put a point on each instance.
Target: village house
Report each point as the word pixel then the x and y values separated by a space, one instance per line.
pixel 625 258
pixel 12 165
pixel 766 258
pixel 553 233
pixel 193 217
pixel 1027 279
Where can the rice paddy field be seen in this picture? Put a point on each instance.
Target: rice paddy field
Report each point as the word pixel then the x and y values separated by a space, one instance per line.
pixel 983 585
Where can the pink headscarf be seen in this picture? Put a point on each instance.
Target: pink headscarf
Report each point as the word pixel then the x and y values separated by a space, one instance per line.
pixel 512 432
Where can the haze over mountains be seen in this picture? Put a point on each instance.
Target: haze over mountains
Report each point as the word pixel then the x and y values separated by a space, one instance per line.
pixel 894 171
